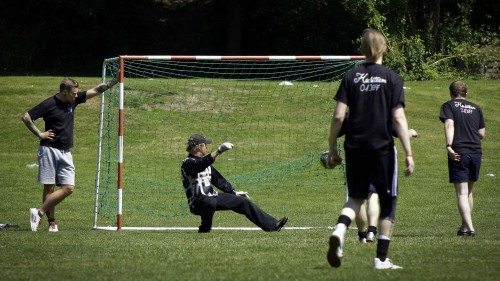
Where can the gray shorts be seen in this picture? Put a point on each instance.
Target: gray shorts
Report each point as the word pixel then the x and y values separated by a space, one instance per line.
pixel 55 166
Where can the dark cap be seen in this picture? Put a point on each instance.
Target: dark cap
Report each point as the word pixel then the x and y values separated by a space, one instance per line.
pixel 197 139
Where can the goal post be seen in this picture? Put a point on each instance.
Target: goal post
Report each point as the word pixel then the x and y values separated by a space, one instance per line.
pixel 275 109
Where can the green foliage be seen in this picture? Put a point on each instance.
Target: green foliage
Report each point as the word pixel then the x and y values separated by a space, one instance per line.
pixel 65 36
pixel 461 52
pixel 460 46
pixel 408 56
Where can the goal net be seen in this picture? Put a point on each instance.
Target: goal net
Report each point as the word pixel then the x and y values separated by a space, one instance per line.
pixel 275 110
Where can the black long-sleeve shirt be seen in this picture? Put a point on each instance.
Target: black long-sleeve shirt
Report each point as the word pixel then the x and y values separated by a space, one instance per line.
pixel 198 177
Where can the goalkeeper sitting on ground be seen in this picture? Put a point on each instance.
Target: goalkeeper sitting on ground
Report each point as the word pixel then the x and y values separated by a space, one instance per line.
pixel 198 176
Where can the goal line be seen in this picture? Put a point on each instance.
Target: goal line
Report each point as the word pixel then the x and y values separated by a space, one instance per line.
pixel 114 228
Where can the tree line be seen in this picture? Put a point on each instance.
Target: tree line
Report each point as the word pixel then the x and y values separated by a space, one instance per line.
pixel 426 38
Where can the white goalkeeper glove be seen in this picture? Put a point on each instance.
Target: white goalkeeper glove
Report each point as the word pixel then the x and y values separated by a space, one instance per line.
pixel 225 147
pixel 242 194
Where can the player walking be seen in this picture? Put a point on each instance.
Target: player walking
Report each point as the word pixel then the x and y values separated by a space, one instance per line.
pixel 375 97
pixel 464 129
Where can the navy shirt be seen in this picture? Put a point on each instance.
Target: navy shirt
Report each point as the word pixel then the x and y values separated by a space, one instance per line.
pixel 370 91
pixel 468 120
pixel 58 116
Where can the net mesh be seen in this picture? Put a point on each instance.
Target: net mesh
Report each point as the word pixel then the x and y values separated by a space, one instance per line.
pixel 276 113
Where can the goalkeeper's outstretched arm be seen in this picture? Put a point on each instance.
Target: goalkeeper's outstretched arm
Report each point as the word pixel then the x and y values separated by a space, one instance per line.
pixel 221 149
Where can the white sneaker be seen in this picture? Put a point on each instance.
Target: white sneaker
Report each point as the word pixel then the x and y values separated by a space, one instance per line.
pixel 387 264
pixel 334 254
pixel 362 240
pixel 53 227
pixel 370 237
pixel 34 219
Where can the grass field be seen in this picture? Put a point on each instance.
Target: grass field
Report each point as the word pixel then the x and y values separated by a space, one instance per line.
pixel 424 242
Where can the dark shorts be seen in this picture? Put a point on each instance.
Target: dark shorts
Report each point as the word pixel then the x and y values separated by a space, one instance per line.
pixel 372 174
pixel 465 170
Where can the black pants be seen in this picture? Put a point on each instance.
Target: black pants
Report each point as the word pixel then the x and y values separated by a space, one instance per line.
pixel 206 206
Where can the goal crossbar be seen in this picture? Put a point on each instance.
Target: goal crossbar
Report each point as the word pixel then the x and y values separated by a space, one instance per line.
pixel 243 58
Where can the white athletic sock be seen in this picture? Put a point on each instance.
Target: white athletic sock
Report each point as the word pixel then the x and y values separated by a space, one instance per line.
pixel 340 229
pixel 383 237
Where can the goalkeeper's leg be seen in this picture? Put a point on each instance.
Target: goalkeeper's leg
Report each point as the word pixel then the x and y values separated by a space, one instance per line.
pixel 244 206
pixel 205 207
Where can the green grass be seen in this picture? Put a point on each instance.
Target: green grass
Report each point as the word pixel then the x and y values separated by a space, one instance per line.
pixel 424 241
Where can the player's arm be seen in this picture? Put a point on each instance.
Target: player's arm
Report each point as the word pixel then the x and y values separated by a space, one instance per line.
pixel 220 182
pixel 34 129
pixel 101 88
pixel 214 154
pixel 449 133
pixel 221 149
pixel 335 126
pixel 401 128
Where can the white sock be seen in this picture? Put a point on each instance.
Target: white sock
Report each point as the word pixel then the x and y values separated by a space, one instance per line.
pixel 340 229
pixel 383 237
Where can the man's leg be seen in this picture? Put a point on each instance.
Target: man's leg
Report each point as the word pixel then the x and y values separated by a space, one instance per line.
pixel 51 214
pixel 244 206
pixel 362 222
pixel 373 216
pixel 205 207
pixel 464 197
pixel 471 199
pixel 51 199
pixel 386 227
pixel 54 198
pixel 336 244
pixel 47 190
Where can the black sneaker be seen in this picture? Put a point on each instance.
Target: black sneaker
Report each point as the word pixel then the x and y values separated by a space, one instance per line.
pixel 461 232
pixel 362 237
pixel 281 223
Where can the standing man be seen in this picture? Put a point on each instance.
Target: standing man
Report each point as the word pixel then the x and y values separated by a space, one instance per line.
pixel 55 161
pixel 375 97
pixel 198 176
pixel 464 129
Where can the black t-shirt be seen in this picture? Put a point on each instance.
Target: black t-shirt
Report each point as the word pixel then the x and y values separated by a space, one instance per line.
pixel 467 120
pixel 58 116
pixel 370 91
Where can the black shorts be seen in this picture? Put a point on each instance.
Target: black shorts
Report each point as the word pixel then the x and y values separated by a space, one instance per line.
pixel 365 172
pixel 465 170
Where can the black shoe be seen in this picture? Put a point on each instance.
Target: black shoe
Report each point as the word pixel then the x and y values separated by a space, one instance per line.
pixel 281 223
pixel 461 232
